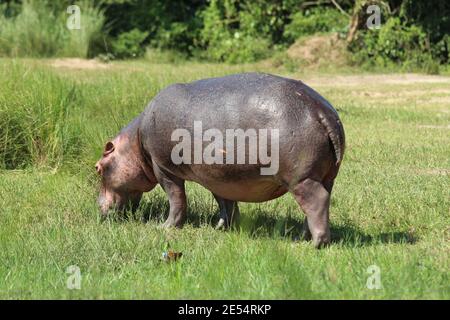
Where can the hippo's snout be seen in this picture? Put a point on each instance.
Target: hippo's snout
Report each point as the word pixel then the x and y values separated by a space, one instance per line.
pixel 109 201
pixel 105 205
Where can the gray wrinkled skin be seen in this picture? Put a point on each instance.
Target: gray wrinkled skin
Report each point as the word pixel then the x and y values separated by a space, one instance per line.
pixel 311 147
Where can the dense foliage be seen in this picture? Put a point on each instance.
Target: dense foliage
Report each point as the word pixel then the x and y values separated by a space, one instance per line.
pixel 413 33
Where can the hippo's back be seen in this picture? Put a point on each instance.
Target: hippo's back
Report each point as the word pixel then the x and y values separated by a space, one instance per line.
pixel 248 100
pixel 243 101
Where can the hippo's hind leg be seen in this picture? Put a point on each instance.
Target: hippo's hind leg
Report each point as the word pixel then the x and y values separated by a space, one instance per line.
pixel 174 188
pixel 306 234
pixel 314 199
pixel 228 212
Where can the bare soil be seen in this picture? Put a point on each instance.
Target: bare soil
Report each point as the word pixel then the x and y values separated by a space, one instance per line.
pixel 81 64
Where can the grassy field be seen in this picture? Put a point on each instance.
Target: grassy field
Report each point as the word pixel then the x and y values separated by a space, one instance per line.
pixel 390 205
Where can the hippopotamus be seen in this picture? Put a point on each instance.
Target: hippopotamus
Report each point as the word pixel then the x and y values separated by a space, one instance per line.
pixel 307 141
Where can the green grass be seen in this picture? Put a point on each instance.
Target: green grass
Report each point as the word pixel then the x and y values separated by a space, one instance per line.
pixel 40 30
pixel 390 204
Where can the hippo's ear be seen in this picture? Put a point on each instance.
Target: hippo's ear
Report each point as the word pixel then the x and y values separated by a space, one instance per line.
pixel 109 147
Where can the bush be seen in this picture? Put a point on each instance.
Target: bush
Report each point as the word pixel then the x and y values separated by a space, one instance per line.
pixel 313 21
pixel 172 25
pixel 394 44
pixel 228 36
pixel 129 44
pixel 237 49
pixel 39 30
pixel 433 17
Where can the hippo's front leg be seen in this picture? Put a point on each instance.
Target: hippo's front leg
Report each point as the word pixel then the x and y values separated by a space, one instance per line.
pixel 228 212
pixel 174 188
pixel 306 234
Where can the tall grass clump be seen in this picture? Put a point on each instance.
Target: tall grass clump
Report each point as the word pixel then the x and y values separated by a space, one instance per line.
pixel 35 108
pixel 40 30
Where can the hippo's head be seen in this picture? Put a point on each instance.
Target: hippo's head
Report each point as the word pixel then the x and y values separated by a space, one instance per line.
pixel 123 179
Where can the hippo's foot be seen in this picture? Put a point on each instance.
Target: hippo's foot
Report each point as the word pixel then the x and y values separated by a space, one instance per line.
pixel 168 224
pixel 221 224
pixel 322 239
pixel 314 199
pixel 173 223
pixel 229 213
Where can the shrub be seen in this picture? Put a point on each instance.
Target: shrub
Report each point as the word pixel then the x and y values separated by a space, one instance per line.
pixel 394 43
pixel 129 44
pixel 172 25
pixel 433 17
pixel 228 36
pixel 313 21
pixel 237 48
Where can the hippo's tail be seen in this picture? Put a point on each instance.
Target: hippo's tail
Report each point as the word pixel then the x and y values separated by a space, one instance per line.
pixel 335 132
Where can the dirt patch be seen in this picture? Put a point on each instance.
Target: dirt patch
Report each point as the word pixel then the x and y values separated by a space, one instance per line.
pixel 80 64
pixel 439 100
pixel 405 94
pixel 429 126
pixel 435 172
pixel 416 78
pixel 371 80
pixel 319 50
